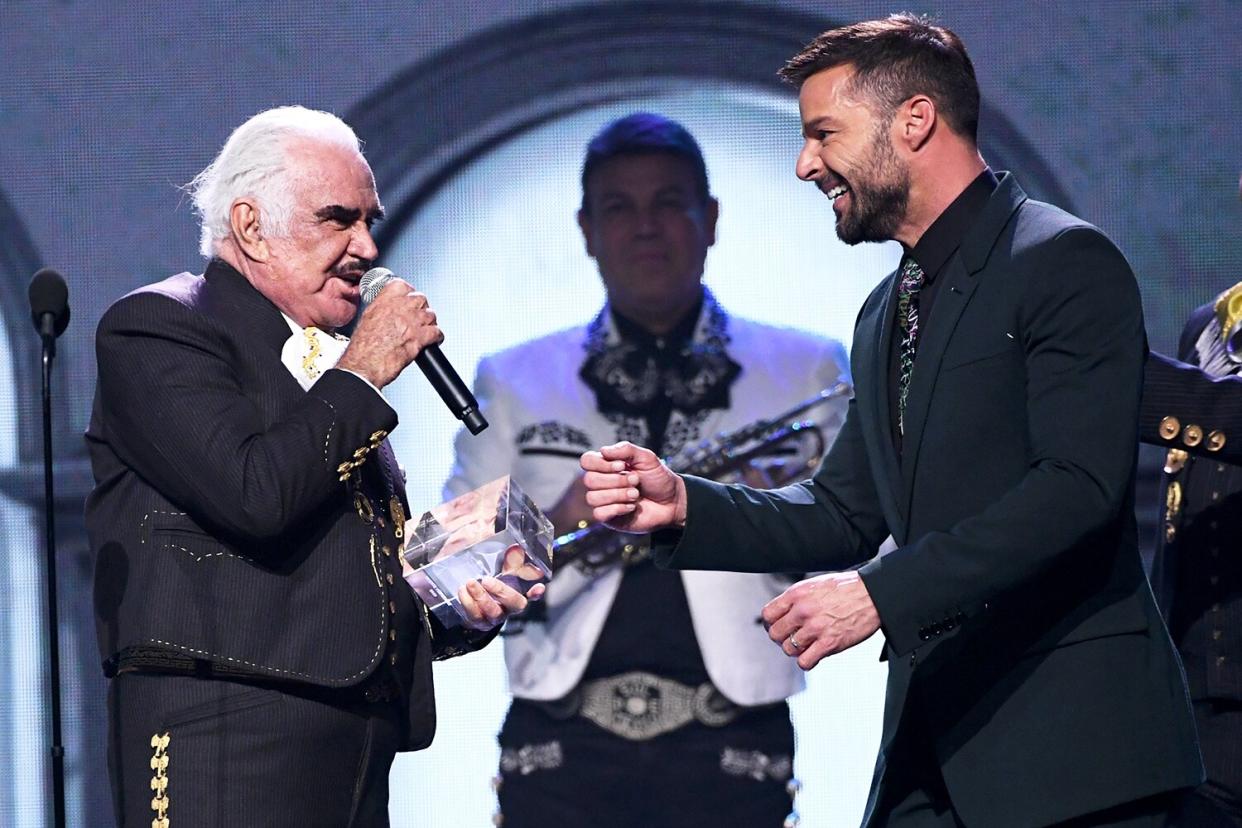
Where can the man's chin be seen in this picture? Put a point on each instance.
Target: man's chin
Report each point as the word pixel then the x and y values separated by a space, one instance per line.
pixel 859 232
pixel 339 315
pixel 848 233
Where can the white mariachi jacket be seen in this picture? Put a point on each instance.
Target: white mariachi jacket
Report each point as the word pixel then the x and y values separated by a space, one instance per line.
pixel 543 416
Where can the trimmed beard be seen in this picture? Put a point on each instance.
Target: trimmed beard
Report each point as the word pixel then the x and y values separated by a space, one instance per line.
pixel 879 195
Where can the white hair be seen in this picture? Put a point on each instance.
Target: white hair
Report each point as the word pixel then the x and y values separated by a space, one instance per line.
pixel 254 163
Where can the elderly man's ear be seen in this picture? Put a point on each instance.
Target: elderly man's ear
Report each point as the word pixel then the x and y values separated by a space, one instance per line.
pixel 244 219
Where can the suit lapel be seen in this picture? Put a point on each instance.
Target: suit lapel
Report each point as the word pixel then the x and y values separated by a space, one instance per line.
pixel 249 313
pixel 961 276
pixel 254 321
pixel 953 296
pixel 872 399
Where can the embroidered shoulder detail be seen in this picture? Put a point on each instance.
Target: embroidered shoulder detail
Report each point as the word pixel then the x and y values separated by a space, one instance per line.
pixel 553 433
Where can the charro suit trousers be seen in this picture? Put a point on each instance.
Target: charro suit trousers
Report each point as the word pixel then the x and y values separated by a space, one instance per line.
pixel 226 744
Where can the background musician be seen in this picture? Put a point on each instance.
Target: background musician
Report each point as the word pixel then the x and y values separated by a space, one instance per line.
pixel 643 693
pixel 1194 408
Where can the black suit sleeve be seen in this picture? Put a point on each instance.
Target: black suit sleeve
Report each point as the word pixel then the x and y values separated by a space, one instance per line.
pixel 1084 344
pixel 175 412
pixel 832 521
pixel 1185 393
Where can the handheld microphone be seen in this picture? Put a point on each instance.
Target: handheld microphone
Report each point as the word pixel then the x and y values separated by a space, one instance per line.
pixel 435 366
pixel 49 305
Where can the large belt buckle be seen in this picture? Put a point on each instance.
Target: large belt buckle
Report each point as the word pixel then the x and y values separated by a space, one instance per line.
pixel 637 706
pixel 712 708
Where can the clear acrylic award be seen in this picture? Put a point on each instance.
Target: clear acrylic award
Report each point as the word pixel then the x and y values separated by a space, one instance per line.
pixel 495 530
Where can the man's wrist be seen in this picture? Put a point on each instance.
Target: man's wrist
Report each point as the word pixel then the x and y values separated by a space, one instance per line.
pixel 682 504
pixel 362 377
pixel 346 364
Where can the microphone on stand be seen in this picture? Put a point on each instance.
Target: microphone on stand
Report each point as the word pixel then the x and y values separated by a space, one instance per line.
pixel 49 310
pixel 49 305
pixel 435 366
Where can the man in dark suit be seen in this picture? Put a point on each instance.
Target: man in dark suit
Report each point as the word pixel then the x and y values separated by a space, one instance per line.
pixel 267 660
pixel 1194 408
pixel 997 379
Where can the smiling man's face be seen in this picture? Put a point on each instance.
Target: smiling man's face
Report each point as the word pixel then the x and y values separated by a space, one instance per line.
pixel 848 153
pixel 313 272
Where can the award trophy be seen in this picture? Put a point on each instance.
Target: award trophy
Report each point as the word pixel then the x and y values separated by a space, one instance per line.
pixel 495 530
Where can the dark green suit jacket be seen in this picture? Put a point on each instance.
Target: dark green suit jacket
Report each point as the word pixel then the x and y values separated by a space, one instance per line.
pixel 1022 637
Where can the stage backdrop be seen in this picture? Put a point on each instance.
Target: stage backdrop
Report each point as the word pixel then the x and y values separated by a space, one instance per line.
pixel 475 115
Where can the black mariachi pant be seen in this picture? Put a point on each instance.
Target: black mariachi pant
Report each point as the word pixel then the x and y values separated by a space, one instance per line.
pixel 570 773
pixel 215 752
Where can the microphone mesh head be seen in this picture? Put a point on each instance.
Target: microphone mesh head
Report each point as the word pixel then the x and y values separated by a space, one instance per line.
pixel 372 282
pixel 49 294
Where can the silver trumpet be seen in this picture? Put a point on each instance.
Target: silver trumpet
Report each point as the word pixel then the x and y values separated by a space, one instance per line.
pixel 766 453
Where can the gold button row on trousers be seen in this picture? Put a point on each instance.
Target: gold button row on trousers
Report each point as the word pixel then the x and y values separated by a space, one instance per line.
pixel 159 781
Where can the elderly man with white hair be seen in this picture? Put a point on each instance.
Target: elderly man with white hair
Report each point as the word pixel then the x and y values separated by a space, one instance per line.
pixel 266 659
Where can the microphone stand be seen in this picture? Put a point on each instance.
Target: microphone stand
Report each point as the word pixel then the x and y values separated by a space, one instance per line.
pixel 48 335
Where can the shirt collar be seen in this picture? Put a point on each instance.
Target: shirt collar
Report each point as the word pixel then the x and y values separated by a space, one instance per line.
pixel 947 231
pixel 691 369
pixel 635 334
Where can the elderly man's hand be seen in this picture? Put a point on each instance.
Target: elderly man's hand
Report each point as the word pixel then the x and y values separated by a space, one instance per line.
pixel 821 616
pixel 393 330
pixel 489 601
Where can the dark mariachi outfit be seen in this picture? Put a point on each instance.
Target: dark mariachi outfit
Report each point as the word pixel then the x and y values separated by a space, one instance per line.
pixel 267 659
pixel 1194 407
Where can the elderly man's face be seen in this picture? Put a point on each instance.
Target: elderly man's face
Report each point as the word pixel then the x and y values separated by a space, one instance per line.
pixel 648 229
pixel 314 271
pixel 848 153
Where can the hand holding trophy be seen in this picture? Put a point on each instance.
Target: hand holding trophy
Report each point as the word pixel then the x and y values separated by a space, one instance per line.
pixel 479 557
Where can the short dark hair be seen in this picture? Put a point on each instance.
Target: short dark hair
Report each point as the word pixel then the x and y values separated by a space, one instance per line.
pixel 645 133
pixel 894 59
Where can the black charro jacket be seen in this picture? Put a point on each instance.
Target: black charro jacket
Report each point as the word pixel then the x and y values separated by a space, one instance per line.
pixel 221 527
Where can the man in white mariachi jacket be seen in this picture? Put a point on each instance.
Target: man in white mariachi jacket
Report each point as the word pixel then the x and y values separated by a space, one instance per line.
pixel 644 697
